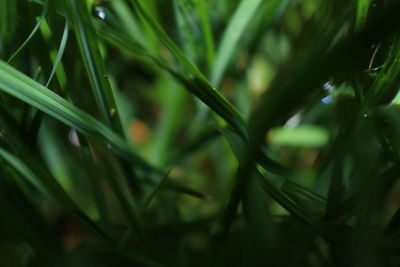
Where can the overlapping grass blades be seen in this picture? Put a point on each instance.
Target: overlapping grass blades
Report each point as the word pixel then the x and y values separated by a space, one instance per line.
pixel 24 88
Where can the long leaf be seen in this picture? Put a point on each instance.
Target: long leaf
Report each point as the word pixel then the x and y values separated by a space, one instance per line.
pixel 24 88
pixel 31 35
pixel 94 65
pixel 235 29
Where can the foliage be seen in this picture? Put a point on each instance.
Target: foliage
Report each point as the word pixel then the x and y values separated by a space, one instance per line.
pixel 199 133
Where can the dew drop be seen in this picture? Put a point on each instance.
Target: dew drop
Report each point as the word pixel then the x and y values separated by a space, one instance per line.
pixel 101 14
pixel 294 121
pixel 328 86
pixel 326 100
pixel 73 138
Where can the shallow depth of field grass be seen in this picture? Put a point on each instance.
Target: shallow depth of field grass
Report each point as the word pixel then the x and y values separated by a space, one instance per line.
pixel 199 133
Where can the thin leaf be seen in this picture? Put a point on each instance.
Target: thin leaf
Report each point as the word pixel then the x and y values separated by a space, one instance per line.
pixel 35 29
pixel 168 42
pixel 94 65
pixel 153 193
pixel 242 16
pixel 24 88
pixel 207 32
pixel 284 200
pixel 60 53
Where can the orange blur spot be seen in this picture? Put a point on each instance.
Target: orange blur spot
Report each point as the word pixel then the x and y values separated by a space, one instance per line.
pixel 139 132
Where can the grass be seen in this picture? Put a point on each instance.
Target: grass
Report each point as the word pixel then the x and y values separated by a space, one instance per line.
pixel 199 133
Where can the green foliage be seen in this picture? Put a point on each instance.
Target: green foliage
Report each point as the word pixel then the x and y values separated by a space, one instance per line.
pixel 199 133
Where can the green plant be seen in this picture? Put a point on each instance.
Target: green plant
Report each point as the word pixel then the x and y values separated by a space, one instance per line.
pixel 197 133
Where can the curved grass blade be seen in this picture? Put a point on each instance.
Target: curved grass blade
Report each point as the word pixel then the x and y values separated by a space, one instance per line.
pixel 203 90
pixel 153 193
pixel 35 29
pixel 24 88
pixel 236 27
pixel 37 119
pixel 60 53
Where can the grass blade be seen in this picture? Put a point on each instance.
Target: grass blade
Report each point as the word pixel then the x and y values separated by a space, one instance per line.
pixel 31 35
pixel 24 88
pixel 94 65
pixel 242 16
pixel 167 41
pixel 207 32
pixel 153 193
pixel 60 53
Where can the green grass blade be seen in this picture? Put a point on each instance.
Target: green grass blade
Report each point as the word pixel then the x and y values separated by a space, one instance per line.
pixel 290 187
pixel 284 200
pixel 8 25
pixel 31 35
pixel 199 85
pixel 168 41
pixel 94 65
pixel 362 12
pixel 203 11
pixel 60 53
pixel 53 190
pixel 242 16
pixel 25 171
pixel 24 88
pixel 153 193
pixel 203 90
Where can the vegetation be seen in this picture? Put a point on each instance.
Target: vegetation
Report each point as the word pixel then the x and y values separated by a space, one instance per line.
pixel 199 133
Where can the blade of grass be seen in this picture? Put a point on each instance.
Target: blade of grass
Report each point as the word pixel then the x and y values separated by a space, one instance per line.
pixel 167 41
pixel 199 85
pixel 237 24
pixel 60 53
pixel 290 187
pixel 203 11
pixel 37 119
pixel 184 17
pixel 362 12
pixel 53 190
pixel 284 200
pixel 24 88
pixel 8 25
pixel 94 65
pixel 31 35
pixel 153 193
pixel 129 22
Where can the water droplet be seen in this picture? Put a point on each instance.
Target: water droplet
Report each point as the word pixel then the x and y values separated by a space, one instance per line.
pixel 112 112
pixel 365 115
pixel 328 86
pixel 73 138
pixel 109 146
pixel 326 100
pixel 294 121
pixel 101 14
